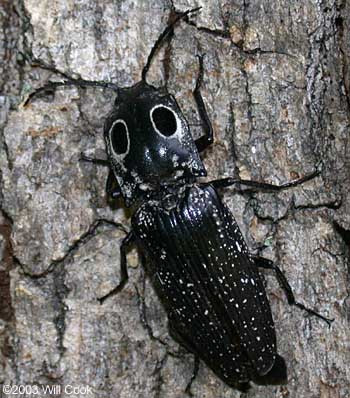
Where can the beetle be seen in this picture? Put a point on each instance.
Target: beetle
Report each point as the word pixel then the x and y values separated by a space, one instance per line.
pixel 197 259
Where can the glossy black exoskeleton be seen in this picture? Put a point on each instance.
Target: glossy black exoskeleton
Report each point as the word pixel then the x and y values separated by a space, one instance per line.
pixel 196 256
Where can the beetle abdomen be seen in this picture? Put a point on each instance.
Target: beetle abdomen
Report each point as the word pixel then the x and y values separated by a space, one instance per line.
pixel 212 292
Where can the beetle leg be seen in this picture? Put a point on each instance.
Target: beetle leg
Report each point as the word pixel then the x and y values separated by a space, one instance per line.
pixel 100 162
pixel 177 337
pixel 112 187
pixel 226 182
pixel 123 267
pixel 142 304
pixel 208 137
pixel 194 375
pixel 282 280
pixel 143 315
pixel 143 312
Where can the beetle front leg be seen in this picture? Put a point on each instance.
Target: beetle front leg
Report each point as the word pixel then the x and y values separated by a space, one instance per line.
pixel 100 162
pixel 208 137
pixel 262 262
pixel 112 187
pixel 127 241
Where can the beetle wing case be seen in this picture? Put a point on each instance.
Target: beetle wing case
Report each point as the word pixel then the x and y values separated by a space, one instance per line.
pixel 213 294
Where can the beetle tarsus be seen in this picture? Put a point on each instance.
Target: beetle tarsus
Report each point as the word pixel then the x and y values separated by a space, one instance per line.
pixel 127 241
pixel 193 376
pixel 282 280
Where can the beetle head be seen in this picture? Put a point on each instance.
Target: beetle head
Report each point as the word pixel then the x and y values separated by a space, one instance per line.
pixel 148 141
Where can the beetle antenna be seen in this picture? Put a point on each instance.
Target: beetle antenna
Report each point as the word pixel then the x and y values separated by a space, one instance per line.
pixel 68 82
pixel 75 82
pixel 161 39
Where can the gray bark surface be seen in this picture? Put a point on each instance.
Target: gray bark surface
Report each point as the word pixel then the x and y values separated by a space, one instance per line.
pixel 277 89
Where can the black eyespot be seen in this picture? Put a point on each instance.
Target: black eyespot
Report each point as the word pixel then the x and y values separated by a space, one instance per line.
pixel 164 120
pixel 119 137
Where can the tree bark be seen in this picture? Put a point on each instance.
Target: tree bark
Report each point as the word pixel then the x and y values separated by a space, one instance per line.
pixel 277 90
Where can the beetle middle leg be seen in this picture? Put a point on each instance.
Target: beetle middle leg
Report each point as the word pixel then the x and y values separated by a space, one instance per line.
pixel 208 137
pixel 262 262
pixel 127 241
pixel 226 182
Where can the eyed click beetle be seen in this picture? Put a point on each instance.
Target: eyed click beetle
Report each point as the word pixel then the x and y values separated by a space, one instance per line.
pixel 197 259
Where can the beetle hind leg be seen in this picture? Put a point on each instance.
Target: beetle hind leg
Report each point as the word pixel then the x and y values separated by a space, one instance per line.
pixel 282 280
pixel 177 336
pixel 193 377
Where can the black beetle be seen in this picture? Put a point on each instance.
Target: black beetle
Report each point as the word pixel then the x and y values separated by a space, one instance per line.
pixel 197 259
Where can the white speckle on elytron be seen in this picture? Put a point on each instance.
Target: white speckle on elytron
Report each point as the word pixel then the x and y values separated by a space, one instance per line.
pixel 238 247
